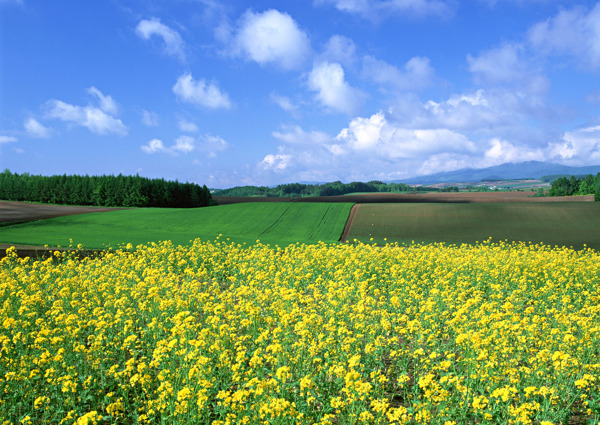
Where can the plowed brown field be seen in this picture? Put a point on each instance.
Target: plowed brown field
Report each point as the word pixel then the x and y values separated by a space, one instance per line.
pixel 25 211
pixel 433 197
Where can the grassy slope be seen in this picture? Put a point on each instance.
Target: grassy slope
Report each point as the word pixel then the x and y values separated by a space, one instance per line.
pixel 556 223
pixel 275 223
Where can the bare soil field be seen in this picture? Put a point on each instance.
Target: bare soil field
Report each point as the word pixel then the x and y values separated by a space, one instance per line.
pixel 349 222
pixel 11 212
pixel 25 211
pixel 433 197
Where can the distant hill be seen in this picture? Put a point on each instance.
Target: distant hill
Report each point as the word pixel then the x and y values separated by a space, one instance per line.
pixel 520 170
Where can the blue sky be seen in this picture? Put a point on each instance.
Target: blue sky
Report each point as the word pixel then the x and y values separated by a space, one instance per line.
pixel 228 93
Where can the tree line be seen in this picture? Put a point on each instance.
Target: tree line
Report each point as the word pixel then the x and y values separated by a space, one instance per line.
pixel 327 189
pixel 573 185
pixel 108 191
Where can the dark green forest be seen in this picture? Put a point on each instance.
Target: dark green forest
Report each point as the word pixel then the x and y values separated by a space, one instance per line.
pixel 569 186
pixel 327 189
pixel 108 191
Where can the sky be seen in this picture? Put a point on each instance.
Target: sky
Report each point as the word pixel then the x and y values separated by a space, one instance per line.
pixel 230 93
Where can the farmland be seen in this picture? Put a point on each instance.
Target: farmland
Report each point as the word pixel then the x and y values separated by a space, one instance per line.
pixel 281 223
pixel 298 328
pixel 434 197
pixel 215 333
pixel 385 217
pixel 553 223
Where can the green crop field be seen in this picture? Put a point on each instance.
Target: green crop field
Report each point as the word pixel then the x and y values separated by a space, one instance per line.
pixel 558 223
pixel 273 223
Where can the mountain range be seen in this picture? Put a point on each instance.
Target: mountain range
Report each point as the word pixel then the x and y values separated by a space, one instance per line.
pixel 508 171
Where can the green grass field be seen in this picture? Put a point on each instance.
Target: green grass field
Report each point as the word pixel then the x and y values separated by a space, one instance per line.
pixel 558 223
pixel 272 223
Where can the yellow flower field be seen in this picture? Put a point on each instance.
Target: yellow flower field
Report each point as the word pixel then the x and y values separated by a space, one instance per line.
pixel 218 333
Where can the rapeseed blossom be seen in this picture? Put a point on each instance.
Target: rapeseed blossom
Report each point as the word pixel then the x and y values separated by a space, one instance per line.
pixel 219 333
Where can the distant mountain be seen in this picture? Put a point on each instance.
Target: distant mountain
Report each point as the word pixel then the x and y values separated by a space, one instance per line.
pixel 520 170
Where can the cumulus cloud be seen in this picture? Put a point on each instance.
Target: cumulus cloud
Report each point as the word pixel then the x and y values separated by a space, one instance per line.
pixel 36 129
pixel 276 162
pixel 577 147
pixel 481 110
pixel 375 134
pixel 417 73
pixel 383 8
pixel 200 92
pixel 173 44
pixel 184 144
pixel 333 91
pixel 207 144
pixel 573 32
pixel 270 37
pixel 96 119
pixel 154 145
pixel 503 151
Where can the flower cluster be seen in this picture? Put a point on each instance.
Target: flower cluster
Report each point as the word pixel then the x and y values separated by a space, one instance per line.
pixel 219 333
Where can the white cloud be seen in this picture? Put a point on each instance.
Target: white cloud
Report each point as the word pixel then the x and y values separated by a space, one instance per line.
pixel 174 45
pixel 185 144
pixel 507 66
pixel 445 161
pixel 339 49
pixel 574 32
pixel 378 9
pixel 333 92
pixel 187 126
pixel 376 136
pixel 498 65
pixel 212 145
pixel 295 135
pixel 93 118
pixel 200 92
pixel 277 162
pixel 271 37
pixel 578 147
pixel 154 145
pixel 35 129
pixel 482 110
pixel 417 73
pixel 8 139
pixel 150 119
pixel 502 151
pixel 286 104
pixel 106 103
